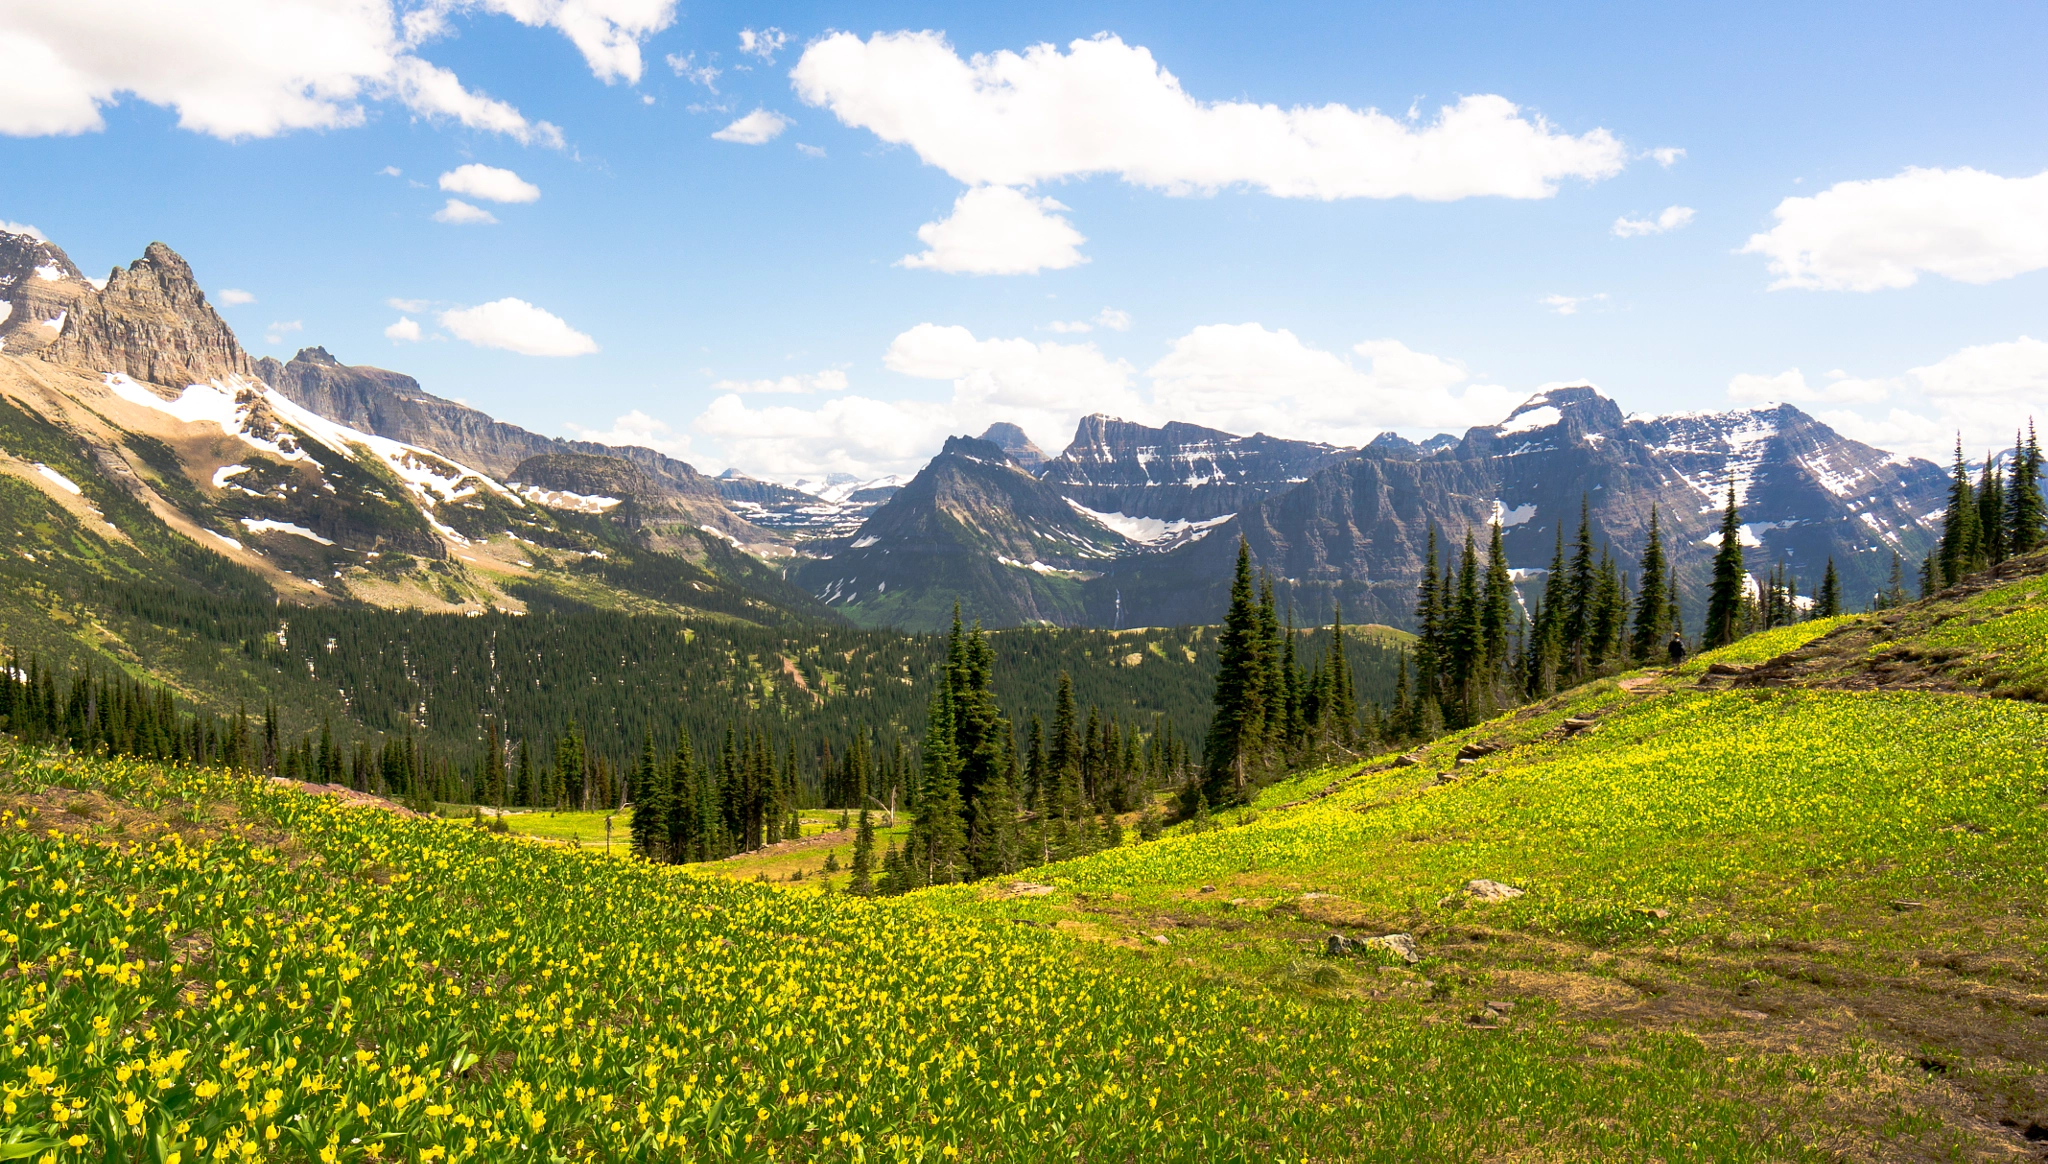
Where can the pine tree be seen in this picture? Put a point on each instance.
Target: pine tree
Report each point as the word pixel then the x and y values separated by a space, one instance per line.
pixel 494 766
pixel 862 881
pixel 1581 592
pixel 1725 600
pixel 1674 622
pixel 1828 602
pixel 1496 610
pixel 938 838
pixel 650 792
pixel 1894 592
pixel 1463 640
pixel 1236 729
pixel 1962 539
pixel 1651 599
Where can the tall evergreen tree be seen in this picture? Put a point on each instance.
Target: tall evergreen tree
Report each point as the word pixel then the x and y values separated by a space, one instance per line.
pixel 1828 602
pixel 1236 729
pixel 1991 513
pixel 1463 641
pixel 938 836
pixel 2026 511
pixel 1496 609
pixel 1962 539
pixel 1651 599
pixel 1582 589
pixel 862 881
pixel 650 794
pixel 1724 622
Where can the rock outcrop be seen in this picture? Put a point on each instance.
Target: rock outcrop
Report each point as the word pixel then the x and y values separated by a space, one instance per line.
pixel 1179 471
pixel 153 324
pixel 1011 439
pixel 39 289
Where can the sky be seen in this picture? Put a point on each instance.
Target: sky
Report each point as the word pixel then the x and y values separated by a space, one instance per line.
pixel 802 240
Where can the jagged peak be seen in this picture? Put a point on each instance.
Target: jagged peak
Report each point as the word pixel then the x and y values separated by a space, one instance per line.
pixel 151 322
pixel 1014 441
pixel 316 355
pixel 978 448
pixel 1588 408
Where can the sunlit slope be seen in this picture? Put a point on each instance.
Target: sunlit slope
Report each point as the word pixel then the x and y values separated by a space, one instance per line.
pixel 278 977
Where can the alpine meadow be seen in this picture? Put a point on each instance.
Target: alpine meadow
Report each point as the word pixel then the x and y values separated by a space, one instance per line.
pixel 1296 585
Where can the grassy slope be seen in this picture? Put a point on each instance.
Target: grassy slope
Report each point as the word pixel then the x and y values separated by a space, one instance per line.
pixel 1760 923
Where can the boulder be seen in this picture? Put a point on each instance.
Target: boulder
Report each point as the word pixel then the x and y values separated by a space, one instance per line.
pixel 1400 945
pixel 1486 890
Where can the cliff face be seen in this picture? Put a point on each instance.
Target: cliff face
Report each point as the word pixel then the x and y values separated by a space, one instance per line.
pixel 1179 471
pixel 39 289
pixel 152 323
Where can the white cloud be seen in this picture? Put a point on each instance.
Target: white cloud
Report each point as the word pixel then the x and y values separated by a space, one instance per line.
pixel 608 32
pixel 1570 304
pixel 1962 224
pixel 21 228
pixel 1790 387
pixel 407 304
pixel 276 332
pixel 638 428
pixel 995 230
pixel 757 128
pixel 764 44
pixel 810 151
pixel 1109 318
pixel 404 331
pixel 1104 107
pixel 1667 156
pixel 686 67
pixel 234 296
pixel 1242 378
pixel 391 172
pixel 514 325
pixel 462 213
pixel 1246 378
pixel 829 380
pixel 489 183
pixel 1672 218
pixel 255 68
pixel 1982 392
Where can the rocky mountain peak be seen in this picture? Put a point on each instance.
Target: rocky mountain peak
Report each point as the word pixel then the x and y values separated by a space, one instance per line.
pixel 152 323
pixel 980 448
pixel 316 355
pixel 38 288
pixel 1012 440
pixel 1576 411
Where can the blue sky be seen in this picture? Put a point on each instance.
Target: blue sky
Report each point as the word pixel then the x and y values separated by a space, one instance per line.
pixel 749 304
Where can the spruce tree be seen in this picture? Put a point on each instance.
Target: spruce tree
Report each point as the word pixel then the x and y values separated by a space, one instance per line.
pixel 1962 540
pixel 1581 593
pixel 1725 600
pixel 1828 602
pixel 1991 513
pixel 1463 639
pixel 650 793
pixel 494 767
pixel 1236 728
pixel 1650 631
pixel 2026 512
pixel 938 838
pixel 1674 622
pixel 1429 623
pixel 1496 610
pixel 862 881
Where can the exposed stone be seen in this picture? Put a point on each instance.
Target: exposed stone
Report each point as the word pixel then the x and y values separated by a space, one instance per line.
pixel 1029 889
pixel 38 283
pixel 153 324
pixel 1409 760
pixel 1402 946
pixel 1475 750
pixel 1485 890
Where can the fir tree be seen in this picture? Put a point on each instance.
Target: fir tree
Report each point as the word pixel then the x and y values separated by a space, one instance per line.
pixel 2025 509
pixel 1962 539
pixel 494 766
pixel 938 839
pixel 1236 729
pixel 1725 600
pixel 1894 592
pixel 1828 602
pixel 1581 593
pixel 650 791
pixel 1991 513
pixel 862 881
pixel 1651 598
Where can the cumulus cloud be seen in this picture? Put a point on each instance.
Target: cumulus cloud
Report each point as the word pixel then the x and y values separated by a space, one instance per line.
pixel 404 331
pixel 276 332
pixel 829 380
pixel 489 183
pixel 514 325
pixel 764 44
pixel 1672 218
pixel 1667 156
pixel 1981 392
pixel 638 428
pixel 1239 377
pixel 1790 387
pixel 1109 319
pixel 1962 224
pixel 257 68
pixel 995 230
pixel 1248 378
pixel 1571 304
pixel 757 128
pixel 686 67
pixel 234 296
pixel 1105 107
pixel 21 227
pixel 407 304
pixel 461 213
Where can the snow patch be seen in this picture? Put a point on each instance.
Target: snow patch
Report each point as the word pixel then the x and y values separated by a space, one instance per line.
pixel 56 324
pixel 230 541
pixel 1745 535
pixel 563 499
pixel 258 526
pixel 50 271
pixel 1151 531
pixel 221 475
pixel 1531 419
pixel 1510 518
pixel 6 309
pixel 58 479
pixel 865 542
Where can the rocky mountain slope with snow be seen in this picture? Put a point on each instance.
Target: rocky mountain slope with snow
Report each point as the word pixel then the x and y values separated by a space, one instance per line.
pixel 140 442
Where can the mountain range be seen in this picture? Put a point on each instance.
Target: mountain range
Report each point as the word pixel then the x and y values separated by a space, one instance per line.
pixel 332 481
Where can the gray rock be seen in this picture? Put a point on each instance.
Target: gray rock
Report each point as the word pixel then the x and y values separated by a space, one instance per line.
pixel 1485 890
pixel 1402 946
